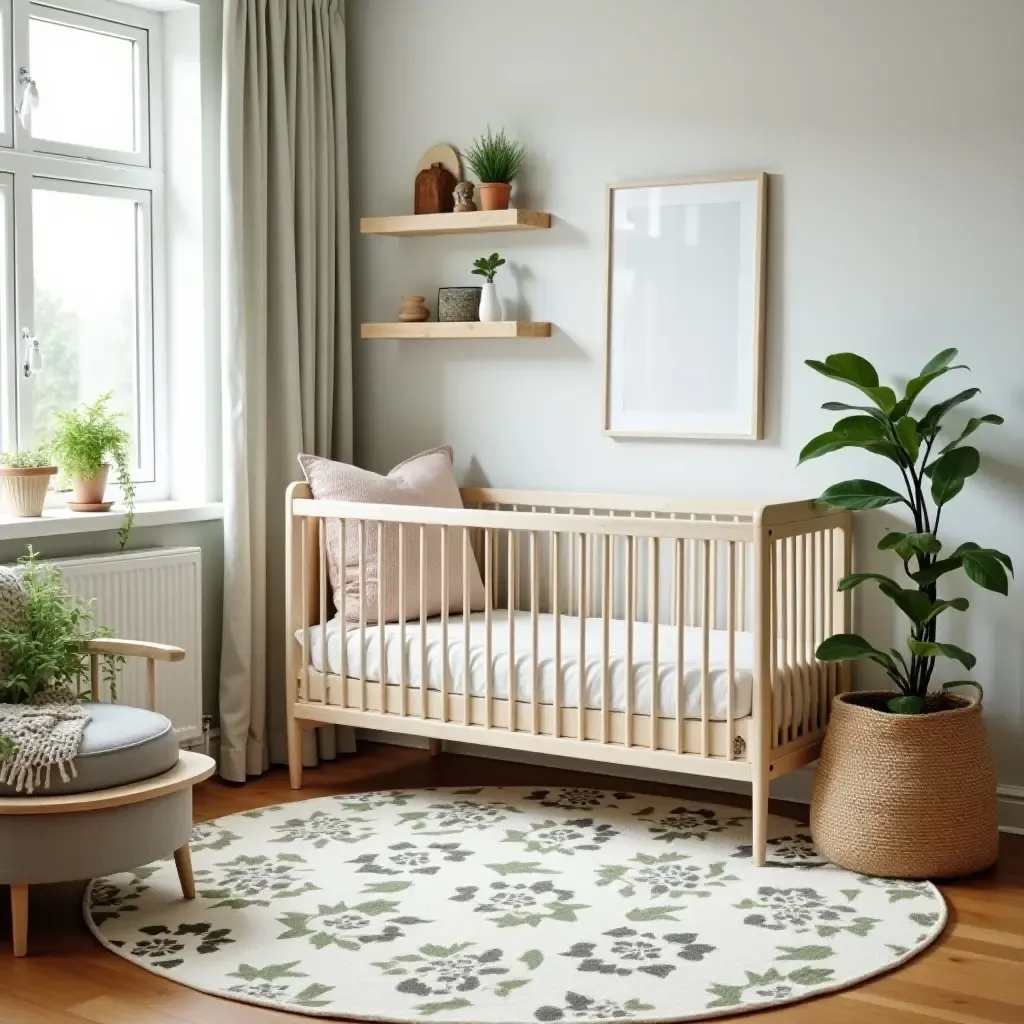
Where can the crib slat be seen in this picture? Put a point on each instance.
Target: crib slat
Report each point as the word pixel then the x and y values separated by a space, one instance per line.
pixel 466 663
pixel 773 633
pixel 705 619
pixel 791 638
pixel 343 610
pixel 534 635
pixel 607 573
pixel 741 585
pixel 730 625
pixel 830 584
pixel 423 623
pixel 361 533
pixel 322 592
pixel 652 610
pixel 713 596
pixel 403 680
pixel 630 614
pixel 306 648
pixel 557 612
pixel 488 601
pixel 445 584
pixel 552 582
pixel 382 655
pixel 812 614
pixel 680 593
pixel 581 697
pixel 511 602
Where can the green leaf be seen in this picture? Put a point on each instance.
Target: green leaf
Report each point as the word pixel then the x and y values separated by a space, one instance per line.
pixel 847 367
pixel 806 952
pixel 930 573
pixel 939 362
pixel 986 569
pixel 823 444
pixel 906 704
pixel 949 471
pixel 855 579
pixel 653 914
pixel 509 985
pixel 972 425
pixel 887 450
pixel 918 384
pixel 859 429
pixel 426 1009
pixel 866 409
pixel 960 604
pixel 906 545
pixel 851 647
pixel 533 958
pixel 521 867
pixel 811 975
pixel 969 545
pixel 906 431
pixel 859 494
pixel 929 649
pixel 932 419
pixel 390 886
pixel 915 604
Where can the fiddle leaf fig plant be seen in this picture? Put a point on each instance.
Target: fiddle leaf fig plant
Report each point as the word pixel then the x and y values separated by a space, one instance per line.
pixel 932 473
pixel 487 266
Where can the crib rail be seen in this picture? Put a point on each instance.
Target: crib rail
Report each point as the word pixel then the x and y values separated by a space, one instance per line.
pixel 677 582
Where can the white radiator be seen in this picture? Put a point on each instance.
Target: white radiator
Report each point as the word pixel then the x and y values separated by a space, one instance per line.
pixel 151 595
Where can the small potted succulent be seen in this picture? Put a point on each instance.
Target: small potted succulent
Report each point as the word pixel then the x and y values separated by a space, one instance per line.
pixel 486 267
pixel 26 479
pixel 496 161
pixel 83 441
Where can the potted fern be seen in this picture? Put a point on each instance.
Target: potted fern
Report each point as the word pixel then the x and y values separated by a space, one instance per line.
pixel 83 440
pixel 906 781
pixel 26 478
pixel 496 161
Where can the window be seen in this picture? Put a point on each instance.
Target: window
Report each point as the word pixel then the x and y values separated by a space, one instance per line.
pixel 81 228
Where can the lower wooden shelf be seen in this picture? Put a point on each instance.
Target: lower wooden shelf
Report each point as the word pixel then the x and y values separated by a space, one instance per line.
pixel 433 330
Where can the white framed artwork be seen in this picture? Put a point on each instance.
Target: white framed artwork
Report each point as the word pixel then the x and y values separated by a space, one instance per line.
pixel 685 308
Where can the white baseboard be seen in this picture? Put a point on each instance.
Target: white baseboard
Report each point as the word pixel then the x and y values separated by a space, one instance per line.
pixel 794 787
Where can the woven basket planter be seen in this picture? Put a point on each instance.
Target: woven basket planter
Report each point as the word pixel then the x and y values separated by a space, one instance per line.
pixel 24 489
pixel 906 796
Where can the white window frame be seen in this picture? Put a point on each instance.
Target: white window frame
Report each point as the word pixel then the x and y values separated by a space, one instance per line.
pixel 8 78
pixel 67 12
pixel 25 167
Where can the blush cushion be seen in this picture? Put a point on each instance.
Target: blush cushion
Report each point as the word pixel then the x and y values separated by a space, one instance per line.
pixel 427 479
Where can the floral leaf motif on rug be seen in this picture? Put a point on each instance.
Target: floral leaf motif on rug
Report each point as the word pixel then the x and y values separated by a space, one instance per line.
pixel 509 906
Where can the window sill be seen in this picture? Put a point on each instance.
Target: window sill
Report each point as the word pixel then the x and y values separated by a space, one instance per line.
pixel 59 521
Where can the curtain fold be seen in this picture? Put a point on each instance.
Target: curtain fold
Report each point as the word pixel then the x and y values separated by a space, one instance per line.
pixel 286 335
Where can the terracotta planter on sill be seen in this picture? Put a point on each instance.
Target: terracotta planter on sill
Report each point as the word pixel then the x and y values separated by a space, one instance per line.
pixel 494 195
pixel 906 796
pixel 24 489
pixel 90 492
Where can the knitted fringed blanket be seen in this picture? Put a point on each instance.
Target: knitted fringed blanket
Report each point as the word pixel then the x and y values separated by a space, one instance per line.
pixel 46 735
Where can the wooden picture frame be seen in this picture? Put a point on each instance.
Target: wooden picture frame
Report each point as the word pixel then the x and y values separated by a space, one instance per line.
pixel 687 294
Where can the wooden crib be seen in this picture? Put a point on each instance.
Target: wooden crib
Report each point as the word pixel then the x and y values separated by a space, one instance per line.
pixel 661 632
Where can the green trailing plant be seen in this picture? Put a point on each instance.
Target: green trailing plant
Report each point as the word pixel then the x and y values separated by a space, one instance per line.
pixel 928 469
pixel 487 266
pixel 30 458
pixel 43 649
pixel 83 441
pixel 495 159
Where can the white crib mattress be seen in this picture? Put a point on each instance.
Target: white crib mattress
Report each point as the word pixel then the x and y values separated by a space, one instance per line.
pixel 643 664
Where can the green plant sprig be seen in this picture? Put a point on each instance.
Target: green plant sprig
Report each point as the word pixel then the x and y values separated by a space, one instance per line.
pixel 494 159
pixel 29 458
pixel 44 648
pixel 84 439
pixel 886 428
pixel 487 266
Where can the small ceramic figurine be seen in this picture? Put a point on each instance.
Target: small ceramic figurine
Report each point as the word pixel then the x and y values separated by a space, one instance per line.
pixel 464 197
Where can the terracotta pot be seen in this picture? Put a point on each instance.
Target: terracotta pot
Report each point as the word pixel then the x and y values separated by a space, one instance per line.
pixel 906 796
pixel 90 492
pixel 494 195
pixel 25 488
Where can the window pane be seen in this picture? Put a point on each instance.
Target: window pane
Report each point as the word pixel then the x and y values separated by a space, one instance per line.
pixel 86 86
pixel 85 255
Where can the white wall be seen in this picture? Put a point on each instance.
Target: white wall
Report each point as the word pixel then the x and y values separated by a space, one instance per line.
pixel 894 134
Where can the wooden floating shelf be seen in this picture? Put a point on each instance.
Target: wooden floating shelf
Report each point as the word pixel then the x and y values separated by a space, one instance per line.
pixel 456 223
pixel 432 329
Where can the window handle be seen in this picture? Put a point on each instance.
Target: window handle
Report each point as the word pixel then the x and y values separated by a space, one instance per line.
pixel 29 100
pixel 33 365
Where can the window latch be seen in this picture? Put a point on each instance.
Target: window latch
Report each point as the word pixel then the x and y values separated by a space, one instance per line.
pixel 33 365
pixel 29 100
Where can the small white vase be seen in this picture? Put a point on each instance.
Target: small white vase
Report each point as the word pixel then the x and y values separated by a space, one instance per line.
pixel 490 307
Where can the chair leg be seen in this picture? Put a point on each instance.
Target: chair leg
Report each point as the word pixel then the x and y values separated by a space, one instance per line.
pixel 760 815
pixel 19 919
pixel 435 748
pixel 294 753
pixel 183 862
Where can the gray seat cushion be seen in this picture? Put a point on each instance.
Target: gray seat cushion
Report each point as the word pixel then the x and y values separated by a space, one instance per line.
pixel 120 745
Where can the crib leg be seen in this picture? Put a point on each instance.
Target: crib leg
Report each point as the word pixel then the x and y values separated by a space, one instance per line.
pixel 760 815
pixel 435 748
pixel 294 752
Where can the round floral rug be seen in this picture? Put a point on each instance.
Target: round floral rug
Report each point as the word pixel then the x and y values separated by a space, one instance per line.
pixel 509 905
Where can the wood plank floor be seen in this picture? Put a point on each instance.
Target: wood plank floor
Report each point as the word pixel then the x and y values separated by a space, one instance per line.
pixel 973 975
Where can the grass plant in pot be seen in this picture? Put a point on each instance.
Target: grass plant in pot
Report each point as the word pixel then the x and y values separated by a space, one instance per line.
pixel 496 161
pixel 83 441
pixel 906 783
pixel 26 478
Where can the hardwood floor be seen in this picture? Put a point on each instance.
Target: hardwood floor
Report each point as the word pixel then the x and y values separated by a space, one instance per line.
pixel 973 975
